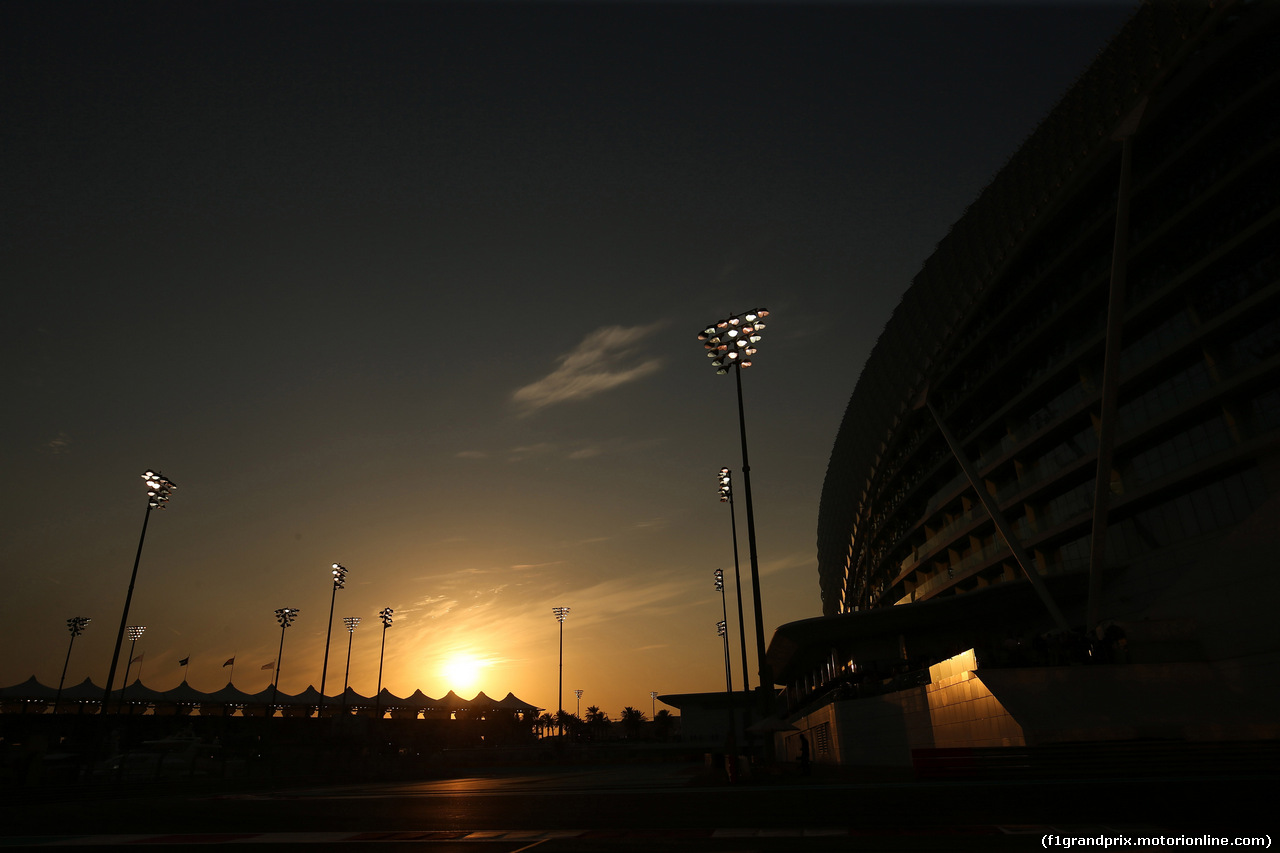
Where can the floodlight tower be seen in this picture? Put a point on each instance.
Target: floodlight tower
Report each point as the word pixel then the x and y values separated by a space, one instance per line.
pixel 724 482
pixel 561 613
pixel 385 614
pixel 339 573
pixel 135 634
pixel 76 625
pixel 285 616
pixel 723 630
pixel 352 622
pixel 730 343
pixel 728 675
pixel 159 490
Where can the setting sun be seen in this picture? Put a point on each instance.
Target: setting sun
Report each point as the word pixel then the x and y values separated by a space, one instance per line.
pixel 462 672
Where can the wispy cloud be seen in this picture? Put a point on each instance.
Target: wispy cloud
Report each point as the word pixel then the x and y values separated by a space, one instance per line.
pixel 606 358
pixel 789 562
pixel 59 444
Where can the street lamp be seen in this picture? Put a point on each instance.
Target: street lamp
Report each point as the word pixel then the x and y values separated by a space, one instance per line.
pixel 75 625
pixel 352 622
pixel 159 490
pixel 561 613
pixel 728 675
pixel 724 482
pixel 285 615
pixel 385 613
pixel 730 343
pixel 339 581
pixel 653 707
pixel 135 634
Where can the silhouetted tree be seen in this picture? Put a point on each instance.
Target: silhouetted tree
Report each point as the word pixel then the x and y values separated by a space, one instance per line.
pixel 572 724
pixel 546 723
pixel 597 723
pixel 631 720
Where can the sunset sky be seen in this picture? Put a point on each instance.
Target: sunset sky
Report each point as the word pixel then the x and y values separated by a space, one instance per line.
pixel 415 287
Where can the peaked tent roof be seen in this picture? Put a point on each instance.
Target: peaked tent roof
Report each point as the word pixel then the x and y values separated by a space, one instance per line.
pixel 139 692
pixel 310 696
pixel 423 702
pixel 452 702
pixel 351 697
pixel 511 703
pixel 29 689
pixel 184 693
pixel 230 695
pixel 84 690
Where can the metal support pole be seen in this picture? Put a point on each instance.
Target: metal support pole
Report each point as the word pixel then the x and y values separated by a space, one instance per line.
pixel 324 672
pixel 58 697
pixel 728 674
pixel 1110 388
pixel 737 580
pixel 129 665
pixel 560 686
pixel 377 703
pixel 766 676
pixel 993 510
pixel 124 617
pixel 275 683
pixel 346 676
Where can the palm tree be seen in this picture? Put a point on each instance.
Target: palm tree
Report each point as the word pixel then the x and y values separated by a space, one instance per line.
pixel 597 723
pixel 570 724
pixel 546 722
pixel 631 721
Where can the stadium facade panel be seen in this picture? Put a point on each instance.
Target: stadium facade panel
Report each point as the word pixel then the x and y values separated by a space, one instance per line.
pixel 1155 179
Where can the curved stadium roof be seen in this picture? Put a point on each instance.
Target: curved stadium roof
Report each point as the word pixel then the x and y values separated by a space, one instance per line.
pixel 925 328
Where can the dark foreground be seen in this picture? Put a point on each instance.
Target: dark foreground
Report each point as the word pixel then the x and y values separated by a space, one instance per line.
pixel 573 809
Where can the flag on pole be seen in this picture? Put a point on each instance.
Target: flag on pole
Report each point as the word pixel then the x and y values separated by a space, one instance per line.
pixel 185 661
pixel 138 659
pixel 271 665
pixel 230 662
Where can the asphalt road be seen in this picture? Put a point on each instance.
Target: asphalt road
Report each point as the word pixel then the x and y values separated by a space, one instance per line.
pixel 636 807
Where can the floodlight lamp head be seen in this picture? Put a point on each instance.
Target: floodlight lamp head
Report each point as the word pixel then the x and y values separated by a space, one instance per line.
pixel 385 613
pixel 159 489
pixel 339 576
pixel 561 613
pixel 719 580
pixel 720 628
pixel 136 632
pixel 76 625
pixel 352 622
pixel 286 615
